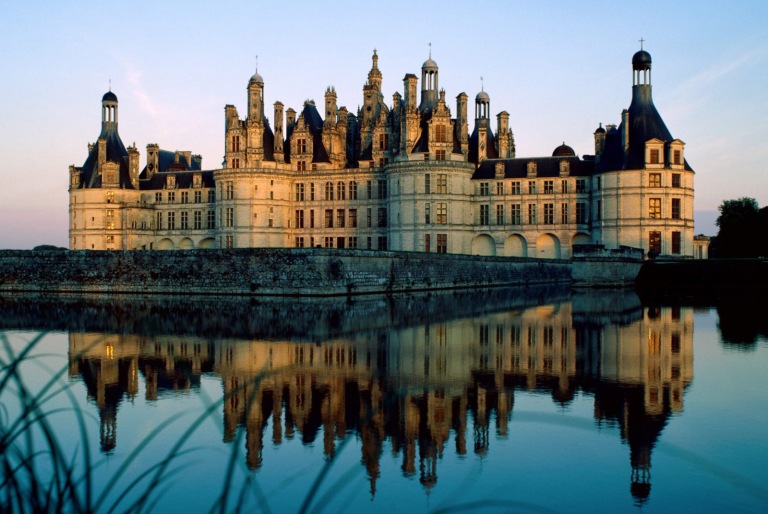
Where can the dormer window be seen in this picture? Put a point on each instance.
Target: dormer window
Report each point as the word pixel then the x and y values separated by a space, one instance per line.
pixel 197 180
pixel 654 157
pixel 565 167
pixel 532 169
pixel 170 182
pixel 301 145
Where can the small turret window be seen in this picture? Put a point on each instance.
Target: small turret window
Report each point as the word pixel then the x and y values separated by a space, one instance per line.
pixel 654 158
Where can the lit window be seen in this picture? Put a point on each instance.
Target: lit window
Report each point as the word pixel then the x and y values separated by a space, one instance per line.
pixel 654 242
pixel 654 180
pixel 442 243
pixel 654 208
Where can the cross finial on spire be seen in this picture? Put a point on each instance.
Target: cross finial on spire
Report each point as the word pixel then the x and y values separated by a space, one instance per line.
pixel 257 63
pixel 482 85
pixel 110 84
pixel 641 42
pixel 430 49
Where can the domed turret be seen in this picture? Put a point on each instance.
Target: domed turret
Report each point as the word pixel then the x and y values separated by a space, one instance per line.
pixel 563 151
pixel 109 96
pixel 641 60
pixel 256 79
pixel 482 97
pixel 429 65
pixel 429 84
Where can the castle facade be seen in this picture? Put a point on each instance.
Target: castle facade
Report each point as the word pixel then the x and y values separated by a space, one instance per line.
pixel 408 176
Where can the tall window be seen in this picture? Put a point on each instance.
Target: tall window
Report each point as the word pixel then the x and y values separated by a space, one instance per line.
pixel 301 165
pixel 427 214
pixel 532 214
pixel 300 192
pixel 655 156
pixel 184 220
pixel 211 219
pixel 382 217
pixel 676 157
pixel 185 197
pixel 171 221
pixel 340 219
pixel 198 220
pixel 230 217
pixel 312 218
pixel 329 190
pixel 654 208
pixel 675 208
pixel 676 242
pixel 299 218
pixel 171 197
pixel 532 187
pixel 353 218
pixel 654 241
pixel 235 143
pixel 230 241
pixel 581 212
pixel 440 134
pixel 312 192
pixel 549 213
pixel 353 190
pixel 549 187
pixel 515 214
pixel 564 186
pixel 301 145
pixel 675 180
pixel 442 214
pixel 198 197
pixel 230 190
pixel 442 184
pixel 484 189
pixel 369 186
pixel 442 243
pixel 382 189
pixel 427 243
pixel 368 220
pixel 158 197
pixel 328 218
pixel 211 196
pixel 159 221
pixel 383 141
pixel 654 180
pixel 499 188
pixel 427 185
pixel 499 214
pixel 515 187
pixel 563 213
pixel 484 210
pixel 341 190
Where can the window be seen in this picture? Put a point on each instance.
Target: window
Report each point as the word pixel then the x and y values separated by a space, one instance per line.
pixel 599 210
pixel 198 197
pixel 171 197
pixel 171 221
pixel 184 220
pixel 230 241
pixel 368 243
pixel 341 190
pixel 654 156
pixel 676 242
pixel 329 190
pixel 654 242
pixel 499 188
pixel 654 180
pixel 484 190
pixel 235 164
pixel 230 217
pixel 328 242
pixel 353 218
pixel 352 242
pixel 299 242
pixel 382 243
pixel 549 187
pixel 383 141
pixel 382 189
pixel 301 145
pixel 675 208
pixel 230 191
pixel 484 210
pixel 442 214
pixel 499 214
pixel 301 165
pixel 368 218
pixel 439 155
pixel 159 221
pixel 427 214
pixel 676 157
pixel 382 216
pixel 328 218
pixel 549 213
pixel 235 143
pixel 427 184
pixel 299 218
pixel 312 192
pixel 427 243
pixel 442 184
pixel 353 190
pixel 515 214
pixel 211 219
pixel 531 187
pixel 654 208
pixel 158 197
pixel 564 213
pixel 312 218
pixel 675 180
pixel 198 220
pixel 442 243
pixel 531 214
pixel 440 134
pixel 515 187
pixel 581 212
pixel 300 192
pixel 369 186
pixel 211 196
pixel 185 197
pixel 340 218
pixel 581 185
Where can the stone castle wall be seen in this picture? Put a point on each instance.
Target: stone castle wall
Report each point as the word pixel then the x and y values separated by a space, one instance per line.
pixel 282 272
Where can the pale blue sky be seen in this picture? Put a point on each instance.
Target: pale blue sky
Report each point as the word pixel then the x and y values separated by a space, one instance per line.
pixel 558 68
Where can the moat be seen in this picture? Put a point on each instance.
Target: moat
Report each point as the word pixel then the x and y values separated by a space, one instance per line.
pixel 533 399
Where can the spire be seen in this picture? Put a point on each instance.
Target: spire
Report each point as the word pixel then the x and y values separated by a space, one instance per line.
pixel 374 76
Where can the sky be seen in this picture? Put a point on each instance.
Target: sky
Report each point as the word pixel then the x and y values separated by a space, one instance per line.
pixel 558 68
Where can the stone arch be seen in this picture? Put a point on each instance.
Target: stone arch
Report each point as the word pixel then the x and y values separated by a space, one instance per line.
pixel 548 247
pixel 186 244
pixel 165 244
pixel 581 239
pixel 207 243
pixel 516 246
pixel 483 244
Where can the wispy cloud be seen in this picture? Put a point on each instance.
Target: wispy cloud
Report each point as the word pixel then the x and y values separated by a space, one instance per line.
pixel 135 80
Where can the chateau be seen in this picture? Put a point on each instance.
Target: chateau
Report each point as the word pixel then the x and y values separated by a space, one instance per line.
pixel 409 176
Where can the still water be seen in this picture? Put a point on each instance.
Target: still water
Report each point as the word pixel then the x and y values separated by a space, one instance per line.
pixel 533 400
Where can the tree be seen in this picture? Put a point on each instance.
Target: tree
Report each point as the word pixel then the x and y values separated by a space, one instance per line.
pixel 739 234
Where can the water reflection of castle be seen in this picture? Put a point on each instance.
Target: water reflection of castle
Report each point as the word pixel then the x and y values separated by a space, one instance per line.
pixel 415 386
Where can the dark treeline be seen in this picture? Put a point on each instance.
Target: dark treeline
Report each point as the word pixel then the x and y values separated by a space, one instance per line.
pixel 743 230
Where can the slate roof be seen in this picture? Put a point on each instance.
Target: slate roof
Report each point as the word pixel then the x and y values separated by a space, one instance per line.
pixel 116 152
pixel 490 145
pixel 546 167
pixel 183 180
